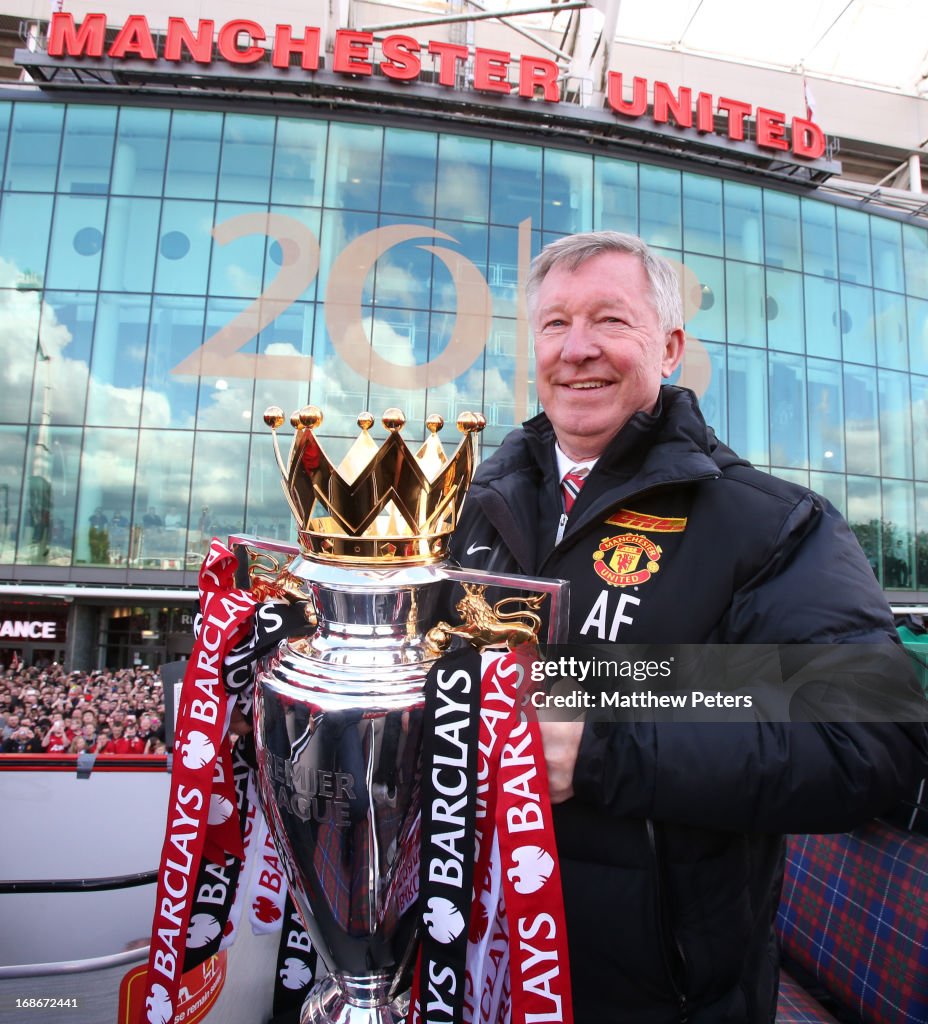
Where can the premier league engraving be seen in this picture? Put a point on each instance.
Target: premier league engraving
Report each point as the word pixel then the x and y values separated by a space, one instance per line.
pixel 338 714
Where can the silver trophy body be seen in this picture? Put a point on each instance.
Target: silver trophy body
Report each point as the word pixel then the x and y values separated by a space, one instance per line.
pixel 338 719
pixel 338 714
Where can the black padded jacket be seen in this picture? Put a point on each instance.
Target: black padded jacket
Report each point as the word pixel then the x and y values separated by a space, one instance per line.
pixel 671 849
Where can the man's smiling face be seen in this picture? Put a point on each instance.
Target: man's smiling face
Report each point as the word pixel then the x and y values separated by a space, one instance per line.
pixel 600 351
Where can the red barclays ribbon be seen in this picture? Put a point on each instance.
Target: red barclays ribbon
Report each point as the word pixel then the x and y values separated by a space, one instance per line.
pixel 517 963
pixel 200 819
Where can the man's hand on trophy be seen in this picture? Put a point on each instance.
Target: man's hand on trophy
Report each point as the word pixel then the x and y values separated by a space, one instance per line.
pixel 561 742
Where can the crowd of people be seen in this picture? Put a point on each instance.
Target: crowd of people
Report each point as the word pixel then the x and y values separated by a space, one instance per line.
pixel 47 710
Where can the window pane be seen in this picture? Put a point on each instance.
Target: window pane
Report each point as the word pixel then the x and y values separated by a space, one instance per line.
pixel 863 516
pixel 702 214
pixel 290 334
pixel 892 347
pixel 404 273
pixel 299 162
pixel 747 305
pixel 861 423
pixel 339 227
pixel 743 229
pixel 298 223
pixel 409 169
pixel 226 403
pixel 471 241
pixel 783 307
pixel 616 187
pixel 237 267
pixel 336 388
pixel 184 247
pixel 46 534
pixel 352 177
pixel 6 111
pixel 402 337
pixel 568 200
pixel 918 335
pixel 21 357
pixel 176 330
pixel 66 333
pixel 822 308
pixel 499 391
pixel 77 241
pixel 915 252
pixel 857 324
pixel 819 243
pixel 217 500
pixel 515 191
pixel 709 320
pixel 35 139
pixel 12 456
pixel 247 151
pixel 747 403
pixel 826 416
pixel 131 244
pixel 782 241
pixel 920 426
pixel 267 513
pixel 898 535
pixel 162 492
pixel 895 425
pixel 886 239
pixel 661 206
pixel 118 362
pixel 87 150
pixel 831 486
pixel 714 403
pixel 107 477
pixel 788 445
pixel 794 476
pixel 193 154
pixel 463 178
pixel 504 269
pixel 854 246
pixel 25 222
pixel 141 148
pixel 921 514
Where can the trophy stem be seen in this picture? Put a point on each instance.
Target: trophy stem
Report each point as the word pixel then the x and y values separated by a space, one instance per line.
pixel 352 999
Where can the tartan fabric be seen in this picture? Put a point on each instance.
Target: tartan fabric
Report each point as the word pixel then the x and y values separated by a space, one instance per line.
pixel 854 915
pixel 796 1006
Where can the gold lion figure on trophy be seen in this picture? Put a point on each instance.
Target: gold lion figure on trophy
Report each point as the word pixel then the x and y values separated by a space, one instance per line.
pixel 487 625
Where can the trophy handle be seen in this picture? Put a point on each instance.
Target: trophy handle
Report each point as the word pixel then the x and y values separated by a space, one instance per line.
pixel 263 568
pixel 487 625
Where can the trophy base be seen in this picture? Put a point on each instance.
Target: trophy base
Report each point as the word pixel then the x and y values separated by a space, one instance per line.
pixel 343 999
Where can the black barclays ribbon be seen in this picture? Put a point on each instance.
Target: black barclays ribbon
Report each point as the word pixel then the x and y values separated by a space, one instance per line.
pixel 449 806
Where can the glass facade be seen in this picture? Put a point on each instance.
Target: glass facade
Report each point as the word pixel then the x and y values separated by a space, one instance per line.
pixel 166 274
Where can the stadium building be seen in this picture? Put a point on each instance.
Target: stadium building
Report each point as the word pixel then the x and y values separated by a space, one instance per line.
pixel 206 211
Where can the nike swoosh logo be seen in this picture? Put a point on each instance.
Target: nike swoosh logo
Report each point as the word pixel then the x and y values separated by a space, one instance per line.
pixel 474 548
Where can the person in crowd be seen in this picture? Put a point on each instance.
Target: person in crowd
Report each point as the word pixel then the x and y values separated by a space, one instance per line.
pixel 56 739
pixel 22 740
pixel 670 833
pixel 130 743
pixel 11 725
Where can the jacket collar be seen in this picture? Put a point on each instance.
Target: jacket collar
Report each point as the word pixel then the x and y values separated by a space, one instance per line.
pixel 670 445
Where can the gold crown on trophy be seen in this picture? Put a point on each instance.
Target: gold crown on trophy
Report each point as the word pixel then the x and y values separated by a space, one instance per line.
pixel 380 505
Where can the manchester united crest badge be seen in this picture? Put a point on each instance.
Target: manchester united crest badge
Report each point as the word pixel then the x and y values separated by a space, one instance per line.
pixel 617 559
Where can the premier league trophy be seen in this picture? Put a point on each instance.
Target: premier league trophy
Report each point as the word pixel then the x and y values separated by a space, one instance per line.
pixel 338 714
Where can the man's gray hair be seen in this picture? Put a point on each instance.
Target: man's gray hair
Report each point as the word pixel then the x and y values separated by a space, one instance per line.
pixel 574 250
